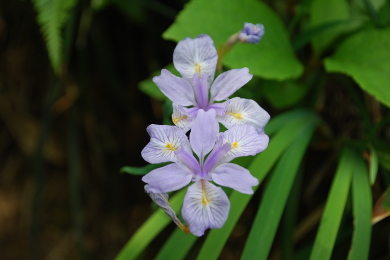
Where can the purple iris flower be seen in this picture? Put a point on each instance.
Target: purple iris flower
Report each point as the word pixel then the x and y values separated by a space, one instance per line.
pixel 251 33
pixel 196 60
pixel 205 205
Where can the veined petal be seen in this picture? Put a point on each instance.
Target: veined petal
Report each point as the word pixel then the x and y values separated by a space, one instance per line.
pixel 201 90
pixel 187 159
pixel 196 56
pixel 168 178
pixel 164 141
pixel 244 111
pixel 204 133
pixel 205 206
pixel 175 88
pixel 181 118
pixel 234 176
pixel 244 141
pixel 219 152
pixel 229 82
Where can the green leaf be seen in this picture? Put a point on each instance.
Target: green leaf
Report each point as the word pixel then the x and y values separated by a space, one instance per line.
pixel 259 168
pixel 334 208
pixel 177 246
pixel 272 58
pixel 141 170
pixel 267 220
pixel 365 57
pixel 326 12
pixel 362 211
pixel 52 16
pixel 373 165
pixel 150 229
pixel 283 94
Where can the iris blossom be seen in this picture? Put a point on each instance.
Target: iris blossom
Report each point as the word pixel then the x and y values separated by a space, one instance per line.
pixel 205 204
pixel 196 60
pixel 251 33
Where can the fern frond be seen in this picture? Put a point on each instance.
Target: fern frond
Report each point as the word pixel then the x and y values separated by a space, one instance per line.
pixel 52 16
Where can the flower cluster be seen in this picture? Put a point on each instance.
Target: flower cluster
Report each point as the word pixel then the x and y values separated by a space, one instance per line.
pixel 200 103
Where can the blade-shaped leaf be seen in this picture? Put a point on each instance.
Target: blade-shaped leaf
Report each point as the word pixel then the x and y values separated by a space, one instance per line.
pixel 334 208
pixel 272 58
pixel 267 220
pixel 362 210
pixel 259 168
pixel 150 229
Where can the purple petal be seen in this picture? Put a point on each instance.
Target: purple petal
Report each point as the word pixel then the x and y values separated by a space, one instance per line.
pixel 220 150
pixel 205 206
pixel 181 117
pixel 234 176
pixel 244 111
pixel 187 159
pixel 197 55
pixel 168 178
pixel 164 141
pixel 175 88
pixel 201 90
pixel 244 141
pixel 220 108
pixel 228 82
pixel 204 133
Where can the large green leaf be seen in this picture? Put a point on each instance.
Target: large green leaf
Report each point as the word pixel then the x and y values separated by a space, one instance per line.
pixel 52 16
pixel 272 58
pixel 366 58
pixel 275 197
pixel 334 208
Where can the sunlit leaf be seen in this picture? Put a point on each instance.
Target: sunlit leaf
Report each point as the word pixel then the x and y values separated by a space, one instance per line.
pixel 272 58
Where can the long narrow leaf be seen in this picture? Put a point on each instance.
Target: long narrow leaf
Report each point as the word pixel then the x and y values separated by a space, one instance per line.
pixel 259 168
pixel 330 222
pixel 177 246
pixel 149 230
pixel 362 210
pixel 275 197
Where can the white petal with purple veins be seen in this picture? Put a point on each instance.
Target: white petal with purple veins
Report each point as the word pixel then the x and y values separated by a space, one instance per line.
pixel 234 176
pixel 244 141
pixel 168 178
pixel 205 206
pixel 175 88
pixel 244 111
pixel 229 82
pixel 181 118
pixel 164 141
pixel 196 56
